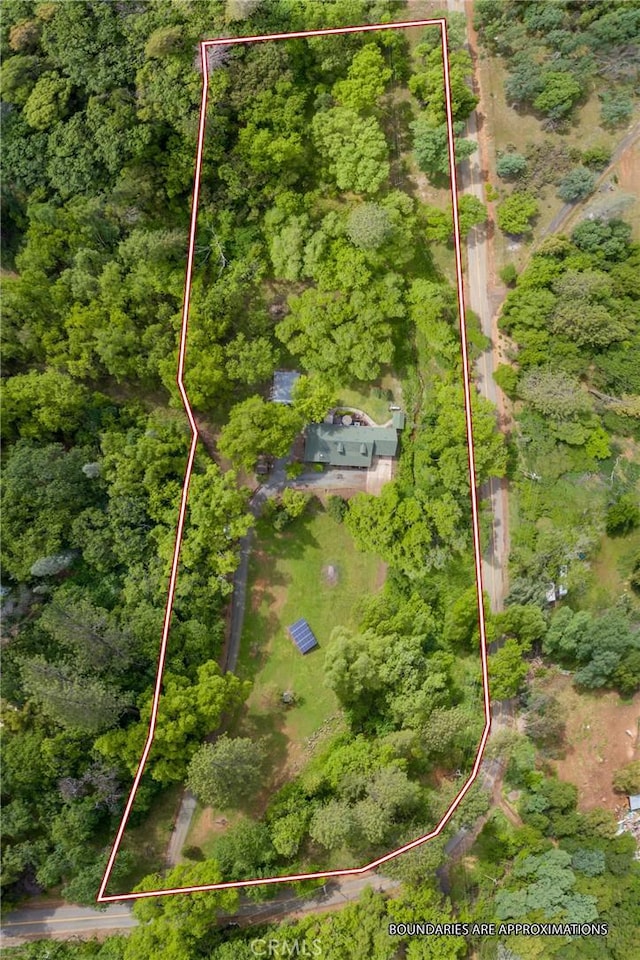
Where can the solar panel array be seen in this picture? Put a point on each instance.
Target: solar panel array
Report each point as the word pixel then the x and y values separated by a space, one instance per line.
pixel 302 635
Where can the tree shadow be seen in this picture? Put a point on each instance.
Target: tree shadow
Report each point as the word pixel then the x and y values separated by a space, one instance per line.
pixel 268 729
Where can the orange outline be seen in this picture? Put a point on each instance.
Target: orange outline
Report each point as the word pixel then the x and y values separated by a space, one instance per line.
pixel 102 897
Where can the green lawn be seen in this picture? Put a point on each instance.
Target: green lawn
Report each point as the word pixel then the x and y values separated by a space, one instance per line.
pixel 365 399
pixel 288 579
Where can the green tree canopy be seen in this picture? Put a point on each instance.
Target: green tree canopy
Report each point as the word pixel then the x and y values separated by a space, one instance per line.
pixel 366 80
pixel 227 772
pixel 313 396
pixel 431 145
pixel 188 712
pixel 256 426
pixel 516 212
pixel 355 148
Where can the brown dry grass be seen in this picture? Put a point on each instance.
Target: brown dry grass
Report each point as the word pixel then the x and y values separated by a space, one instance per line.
pixel 509 128
pixel 596 742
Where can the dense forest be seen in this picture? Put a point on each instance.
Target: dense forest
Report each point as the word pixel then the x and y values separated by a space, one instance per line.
pixel 313 252
pixel 301 216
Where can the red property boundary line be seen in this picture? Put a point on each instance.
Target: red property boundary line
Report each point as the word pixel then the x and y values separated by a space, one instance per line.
pixel 102 897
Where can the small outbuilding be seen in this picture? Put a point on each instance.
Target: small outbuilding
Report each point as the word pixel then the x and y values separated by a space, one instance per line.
pixel 302 635
pixel 283 384
pixel 634 802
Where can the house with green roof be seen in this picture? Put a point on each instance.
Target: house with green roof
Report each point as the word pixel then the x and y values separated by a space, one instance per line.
pixel 348 446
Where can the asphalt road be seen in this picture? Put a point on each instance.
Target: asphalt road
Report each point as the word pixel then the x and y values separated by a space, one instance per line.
pixel 64 922
pixel 40 922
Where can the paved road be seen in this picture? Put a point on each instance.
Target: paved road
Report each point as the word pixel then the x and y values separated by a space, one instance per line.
pixel 64 922
pixel 332 895
pixel 181 826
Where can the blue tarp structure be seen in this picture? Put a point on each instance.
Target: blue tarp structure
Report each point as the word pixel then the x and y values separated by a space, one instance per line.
pixel 302 635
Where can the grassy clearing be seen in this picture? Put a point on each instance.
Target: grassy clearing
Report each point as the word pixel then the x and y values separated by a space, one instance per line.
pixel 517 130
pixel 365 399
pixel 611 569
pixel 148 842
pixel 288 579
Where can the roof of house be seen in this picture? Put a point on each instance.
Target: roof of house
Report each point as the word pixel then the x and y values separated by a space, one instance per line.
pixel 634 801
pixel 283 383
pixel 353 446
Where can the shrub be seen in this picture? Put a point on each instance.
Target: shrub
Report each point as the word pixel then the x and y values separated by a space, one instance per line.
pixel 616 109
pixel 596 157
pixel 506 377
pixel 627 778
pixel 337 508
pixel 193 853
pixel 576 184
pixel 516 212
pixel 635 575
pixel 510 166
pixel 622 516
pixel 509 274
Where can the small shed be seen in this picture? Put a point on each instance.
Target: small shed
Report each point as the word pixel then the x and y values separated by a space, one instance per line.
pixel 634 802
pixel 283 384
pixel 302 635
pixel 398 419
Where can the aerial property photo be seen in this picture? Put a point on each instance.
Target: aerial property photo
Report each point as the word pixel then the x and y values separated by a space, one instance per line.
pixel 321 480
pixel 327 480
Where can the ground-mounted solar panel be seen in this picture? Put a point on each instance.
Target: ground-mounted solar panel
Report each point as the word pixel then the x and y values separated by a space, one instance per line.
pixel 302 635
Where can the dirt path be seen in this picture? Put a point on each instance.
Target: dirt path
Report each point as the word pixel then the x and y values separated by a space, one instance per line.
pixel 623 156
pixel 484 295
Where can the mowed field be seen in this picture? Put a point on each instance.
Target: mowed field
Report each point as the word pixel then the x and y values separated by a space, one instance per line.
pixel 312 570
pixel 289 578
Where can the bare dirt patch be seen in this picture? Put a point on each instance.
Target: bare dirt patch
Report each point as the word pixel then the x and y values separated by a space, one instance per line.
pixel 263 591
pixel 628 178
pixel 381 575
pixel 629 168
pixel 211 823
pixel 330 575
pixel 597 743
